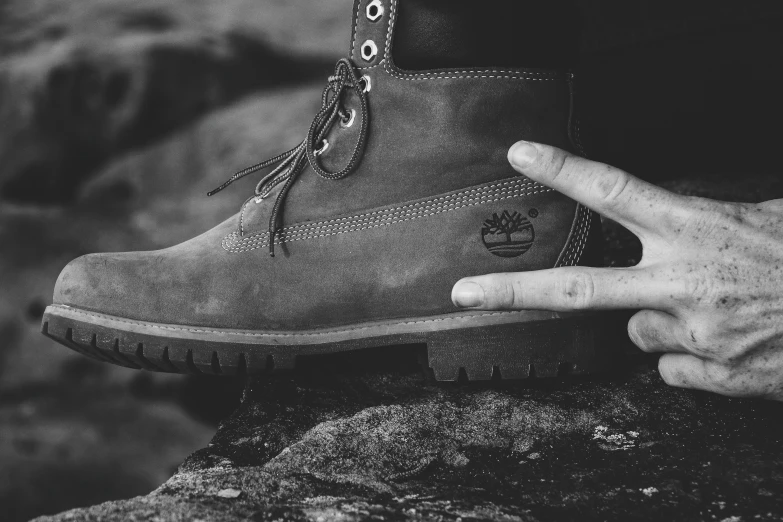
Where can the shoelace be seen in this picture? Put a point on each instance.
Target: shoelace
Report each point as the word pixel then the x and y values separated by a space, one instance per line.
pixel 291 163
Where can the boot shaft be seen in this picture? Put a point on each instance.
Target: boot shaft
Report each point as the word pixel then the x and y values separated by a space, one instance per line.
pixel 429 132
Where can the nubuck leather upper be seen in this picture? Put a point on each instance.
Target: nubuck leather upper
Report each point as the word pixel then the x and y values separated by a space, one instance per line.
pixel 400 188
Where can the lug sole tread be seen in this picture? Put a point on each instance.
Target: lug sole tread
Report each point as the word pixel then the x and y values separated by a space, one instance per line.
pixel 489 353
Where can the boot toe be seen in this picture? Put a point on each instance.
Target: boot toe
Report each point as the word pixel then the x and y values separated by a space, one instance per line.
pixel 74 281
pixel 106 283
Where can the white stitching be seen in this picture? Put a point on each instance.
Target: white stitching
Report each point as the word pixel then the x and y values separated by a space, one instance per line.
pixel 547 74
pixel 578 134
pixel 452 205
pixel 367 68
pixel 566 260
pixel 579 239
pixel 242 215
pixel 259 243
pixel 230 245
pixel 251 334
pixel 475 76
pixel 390 28
pixel 489 194
pixel 577 244
pixel 585 236
pixel 395 212
pixel 497 186
pixel 356 26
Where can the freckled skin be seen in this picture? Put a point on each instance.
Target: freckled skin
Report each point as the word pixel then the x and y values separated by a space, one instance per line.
pixel 709 285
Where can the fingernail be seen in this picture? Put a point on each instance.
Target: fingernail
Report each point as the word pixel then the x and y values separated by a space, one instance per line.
pixel 468 295
pixel 522 154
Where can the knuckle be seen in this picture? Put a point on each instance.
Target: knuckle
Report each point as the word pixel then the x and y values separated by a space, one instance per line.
pixel 577 290
pixel 514 292
pixel 677 216
pixel 699 287
pixel 698 338
pixel 504 293
pixel 723 377
pixel 610 186
pixel 710 218
pixel 560 163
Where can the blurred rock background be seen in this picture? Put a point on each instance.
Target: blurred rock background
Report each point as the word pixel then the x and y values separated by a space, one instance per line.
pixel 117 116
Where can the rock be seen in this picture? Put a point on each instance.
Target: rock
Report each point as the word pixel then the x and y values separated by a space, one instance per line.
pixel 74 97
pixel 392 445
pixel 229 493
pixel 85 443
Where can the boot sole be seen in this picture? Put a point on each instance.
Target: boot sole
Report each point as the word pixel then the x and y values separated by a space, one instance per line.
pixel 472 346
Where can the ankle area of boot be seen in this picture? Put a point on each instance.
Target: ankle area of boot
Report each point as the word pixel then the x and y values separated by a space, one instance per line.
pixel 430 132
pixel 435 34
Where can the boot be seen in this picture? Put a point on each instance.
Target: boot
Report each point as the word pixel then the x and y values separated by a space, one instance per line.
pixel 355 237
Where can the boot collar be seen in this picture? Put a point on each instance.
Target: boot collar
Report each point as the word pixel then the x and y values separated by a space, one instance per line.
pixel 372 37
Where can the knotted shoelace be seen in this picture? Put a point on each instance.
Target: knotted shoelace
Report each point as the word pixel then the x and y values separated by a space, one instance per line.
pixel 290 164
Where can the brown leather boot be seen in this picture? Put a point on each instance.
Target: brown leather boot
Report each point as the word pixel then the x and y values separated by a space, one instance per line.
pixel 400 189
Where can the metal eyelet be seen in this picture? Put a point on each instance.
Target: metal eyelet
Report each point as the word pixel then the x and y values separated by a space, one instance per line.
pixel 369 50
pixel 367 83
pixel 374 10
pixel 324 146
pixel 349 123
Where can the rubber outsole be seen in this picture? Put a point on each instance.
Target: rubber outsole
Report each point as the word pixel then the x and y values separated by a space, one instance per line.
pixel 462 351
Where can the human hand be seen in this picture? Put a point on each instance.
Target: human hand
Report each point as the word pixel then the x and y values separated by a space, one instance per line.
pixel 709 284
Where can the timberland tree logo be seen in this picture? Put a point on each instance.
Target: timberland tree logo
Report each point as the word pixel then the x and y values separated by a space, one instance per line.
pixel 508 234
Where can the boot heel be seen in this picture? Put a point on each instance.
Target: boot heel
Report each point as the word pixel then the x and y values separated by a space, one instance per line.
pixel 517 351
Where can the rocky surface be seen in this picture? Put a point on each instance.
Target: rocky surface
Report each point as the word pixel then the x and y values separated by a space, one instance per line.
pixel 390 446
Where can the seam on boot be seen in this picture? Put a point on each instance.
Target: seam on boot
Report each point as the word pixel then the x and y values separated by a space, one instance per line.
pixel 578 138
pixel 580 231
pixel 578 239
pixel 355 27
pixel 489 194
pixel 281 333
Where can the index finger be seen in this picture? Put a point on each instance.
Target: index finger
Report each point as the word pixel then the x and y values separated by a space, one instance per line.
pixel 612 192
pixel 567 289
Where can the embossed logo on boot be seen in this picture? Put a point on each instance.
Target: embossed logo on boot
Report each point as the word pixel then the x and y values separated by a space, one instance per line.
pixel 508 234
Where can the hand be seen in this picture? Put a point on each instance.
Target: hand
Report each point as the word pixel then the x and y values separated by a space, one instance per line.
pixel 709 284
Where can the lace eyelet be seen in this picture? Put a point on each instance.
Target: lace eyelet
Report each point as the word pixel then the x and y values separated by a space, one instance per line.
pixel 369 50
pixel 349 122
pixel 367 83
pixel 324 146
pixel 374 10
